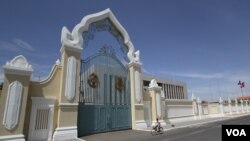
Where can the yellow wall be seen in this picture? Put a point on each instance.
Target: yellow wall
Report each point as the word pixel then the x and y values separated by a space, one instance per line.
pixel 139 110
pixel 68 116
pixel 9 78
pixel 213 108
pixel 49 88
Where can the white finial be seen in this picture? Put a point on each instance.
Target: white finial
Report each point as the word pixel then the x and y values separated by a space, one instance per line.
pixel 193 96
pixel 153 83
pixel 220 100
pixel 58 62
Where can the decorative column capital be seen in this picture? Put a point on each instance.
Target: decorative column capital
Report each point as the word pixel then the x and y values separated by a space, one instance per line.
pixel 154 86
pixel 77 49
pixel 220 100
pixel 198 100
pixel 193 97
pixel 18 65
pixel 134 64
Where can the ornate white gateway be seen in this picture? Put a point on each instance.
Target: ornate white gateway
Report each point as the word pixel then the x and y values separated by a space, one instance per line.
pixel 109 88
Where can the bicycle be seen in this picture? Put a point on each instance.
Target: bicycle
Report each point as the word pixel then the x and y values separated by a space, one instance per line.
pixel 154 130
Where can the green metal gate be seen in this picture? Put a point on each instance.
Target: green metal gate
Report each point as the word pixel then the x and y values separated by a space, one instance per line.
pixel 104 100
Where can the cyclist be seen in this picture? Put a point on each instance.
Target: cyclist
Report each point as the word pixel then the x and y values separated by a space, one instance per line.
pixel 157 125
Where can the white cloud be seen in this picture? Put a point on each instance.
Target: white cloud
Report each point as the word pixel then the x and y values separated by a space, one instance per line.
pixel 195 75
pixel 15 46
pixel 23 44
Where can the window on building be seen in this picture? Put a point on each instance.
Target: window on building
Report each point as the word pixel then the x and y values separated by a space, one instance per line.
pixel 1 85
pixel 146 83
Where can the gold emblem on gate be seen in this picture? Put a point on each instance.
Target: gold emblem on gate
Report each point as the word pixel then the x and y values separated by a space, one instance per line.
pixel 119 84
pixel 93 80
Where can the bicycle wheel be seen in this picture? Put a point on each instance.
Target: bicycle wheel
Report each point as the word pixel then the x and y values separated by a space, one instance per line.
pixel 153 132
pixel 161 130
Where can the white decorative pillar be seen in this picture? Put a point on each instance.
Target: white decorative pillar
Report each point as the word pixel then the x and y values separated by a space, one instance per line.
pixel 14 98
pixel 247 105
pixel 135 88
pixel 155 93
pixel 199 107
pixel 194 104
pixel 221 106
pixel 230 106
pixel 69 88
pixel 236 104
pixel 242 107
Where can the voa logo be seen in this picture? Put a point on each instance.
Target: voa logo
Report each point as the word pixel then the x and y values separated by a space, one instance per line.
pixel 236 132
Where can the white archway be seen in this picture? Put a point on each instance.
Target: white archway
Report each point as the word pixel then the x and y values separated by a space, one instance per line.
pixel 75 39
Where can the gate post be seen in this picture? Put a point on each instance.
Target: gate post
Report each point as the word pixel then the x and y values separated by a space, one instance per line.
pixel 69 93
pixel 155 94
pixel 135 88
pixel 14 98
pixel 236 104
pixel 199 108
pixel 230 106
pixel 194 104
pixel 242 108
pixel 221 106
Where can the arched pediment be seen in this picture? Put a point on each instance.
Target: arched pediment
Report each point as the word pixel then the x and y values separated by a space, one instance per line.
pixel 75 39
pixel 18 65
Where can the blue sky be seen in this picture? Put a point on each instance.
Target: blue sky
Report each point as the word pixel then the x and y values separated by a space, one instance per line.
pixel 205 43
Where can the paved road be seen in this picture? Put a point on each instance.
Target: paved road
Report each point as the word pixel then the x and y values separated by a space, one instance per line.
pixel 204 132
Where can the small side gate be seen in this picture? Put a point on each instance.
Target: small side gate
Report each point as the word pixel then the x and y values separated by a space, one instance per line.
pixel 104 100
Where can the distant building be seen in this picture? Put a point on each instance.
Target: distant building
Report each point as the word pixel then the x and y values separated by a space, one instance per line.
pixel 172 89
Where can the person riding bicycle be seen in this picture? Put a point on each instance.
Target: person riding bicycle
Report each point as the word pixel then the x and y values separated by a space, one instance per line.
pixel 157 125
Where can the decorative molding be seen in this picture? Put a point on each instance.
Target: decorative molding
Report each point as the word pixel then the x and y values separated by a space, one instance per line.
pixel 58 62
pixel 19 137
pixel 43 100
pixel 138 92
pixel 65 133
pixel 134 64
pixel 153 83
pixel 13 104
pixel 68 105
pixel 139 105
pixel 71 79
pixel 18 65
pixel 158 105
pixel 75 39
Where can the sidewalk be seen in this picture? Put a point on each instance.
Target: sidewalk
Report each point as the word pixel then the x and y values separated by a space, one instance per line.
pixel 132 134
pixel 198 121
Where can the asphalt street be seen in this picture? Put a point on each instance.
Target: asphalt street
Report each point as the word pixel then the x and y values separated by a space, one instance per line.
pixel 201 132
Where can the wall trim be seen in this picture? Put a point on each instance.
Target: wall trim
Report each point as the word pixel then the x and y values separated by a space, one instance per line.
pixel 70 88
pixel 68 105
pixel 19 137
pixel 65 133
pixel 12 105
pixel 49 77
